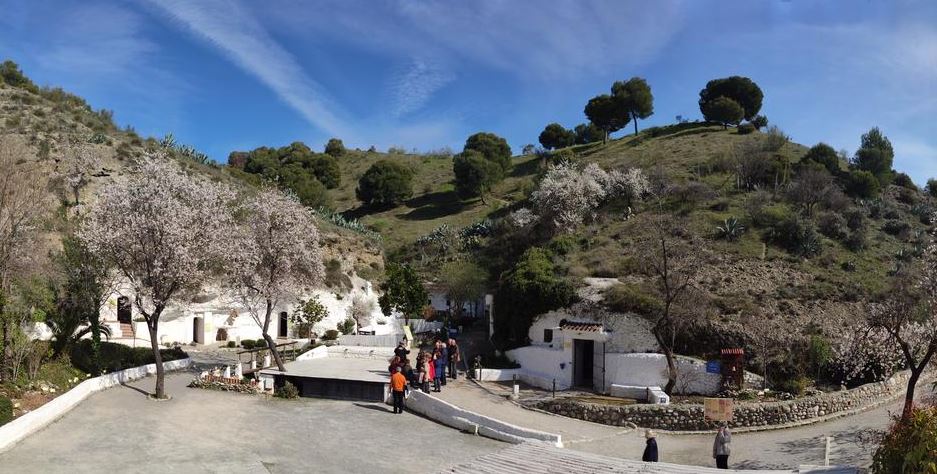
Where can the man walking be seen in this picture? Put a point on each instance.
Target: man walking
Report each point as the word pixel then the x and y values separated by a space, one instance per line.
pixel 650 448
pixel 721 447
pixel 454 358
pixel 398 383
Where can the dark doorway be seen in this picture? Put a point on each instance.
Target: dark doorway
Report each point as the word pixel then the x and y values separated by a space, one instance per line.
pixel 583 360
pixel 198 330
pixel 282 327
pixel 124 311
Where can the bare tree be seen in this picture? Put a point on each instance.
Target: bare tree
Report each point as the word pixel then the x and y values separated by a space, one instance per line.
pixel 673 264
pixel 76 176
pixel 22 204
pixel 162 231
pixel 277 258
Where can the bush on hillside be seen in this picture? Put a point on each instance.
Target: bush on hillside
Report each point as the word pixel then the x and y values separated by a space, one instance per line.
pixel 899 229
pixel 774 139
pixel 857 240
pixel 825 155
pixel 907 196
pixel 909 446
pixel 115 357
pixel 832 225
pixel 745 129
pixel 730 229
pixel 862 184
pixel 932 187
pixel 627 298
pixel 855 218
pixel 474 175
pixel 903 180
pixel 492 147
pixel 797 236
pixel 385 184
pixel 759 122
pixel 335 147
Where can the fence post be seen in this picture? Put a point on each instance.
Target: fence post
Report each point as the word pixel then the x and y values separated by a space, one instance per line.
pixel 826 455
pixel 554 388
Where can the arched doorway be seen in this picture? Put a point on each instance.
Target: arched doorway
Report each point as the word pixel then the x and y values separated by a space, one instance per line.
pixel 124 310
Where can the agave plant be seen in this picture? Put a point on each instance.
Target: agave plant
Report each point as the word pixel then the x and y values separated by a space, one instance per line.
pixel 731 229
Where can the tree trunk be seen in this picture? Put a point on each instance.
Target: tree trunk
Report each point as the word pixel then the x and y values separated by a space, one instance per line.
pixel 6 365
pixel 96 342
pixel 634 117
pixel 605 137
pixel 671 372
pixel 271 344
pixel 909 394
pixel 152 324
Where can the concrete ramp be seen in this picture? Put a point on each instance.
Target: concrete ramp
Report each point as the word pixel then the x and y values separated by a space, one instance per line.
pixel 542 458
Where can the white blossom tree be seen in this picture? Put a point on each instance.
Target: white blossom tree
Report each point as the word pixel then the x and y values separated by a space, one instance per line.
pixel 898 332
pixel 76 175
pixel 162 230
pixel 568 195
pixel 277 259
pixel 23 202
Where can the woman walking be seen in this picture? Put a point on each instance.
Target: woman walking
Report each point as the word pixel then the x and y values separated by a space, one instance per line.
pixel 439 370
pixel 650 449
pixel 721 447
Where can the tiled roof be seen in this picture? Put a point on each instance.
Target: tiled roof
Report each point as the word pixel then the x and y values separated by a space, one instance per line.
pixel 582 327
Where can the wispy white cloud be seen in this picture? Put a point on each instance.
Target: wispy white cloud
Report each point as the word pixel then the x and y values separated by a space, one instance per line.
pixel 230 27
pixel 412 88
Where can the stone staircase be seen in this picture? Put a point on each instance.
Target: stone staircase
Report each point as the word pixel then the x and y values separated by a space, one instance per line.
pixel 126 330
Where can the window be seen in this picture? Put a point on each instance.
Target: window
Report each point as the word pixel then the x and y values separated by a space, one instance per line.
pixel 547 335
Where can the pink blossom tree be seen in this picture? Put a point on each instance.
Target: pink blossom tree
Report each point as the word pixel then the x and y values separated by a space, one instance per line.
pixel 162 230
pixel 278 257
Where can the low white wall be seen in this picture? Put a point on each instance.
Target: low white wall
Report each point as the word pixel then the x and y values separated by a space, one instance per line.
pixel 451 415
pixel 653 395
pixel 16 430
pixel 498 375
pixel 360 351
pixel 650 370
pixel 315 353
pixel 541 365
pixel 387 340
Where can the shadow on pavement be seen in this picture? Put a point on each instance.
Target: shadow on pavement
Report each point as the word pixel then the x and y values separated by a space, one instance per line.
pixel 373 406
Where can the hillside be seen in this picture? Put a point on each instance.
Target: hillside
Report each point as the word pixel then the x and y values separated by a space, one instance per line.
pixel 55 123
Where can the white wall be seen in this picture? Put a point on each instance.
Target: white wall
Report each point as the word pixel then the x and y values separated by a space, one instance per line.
pixel 627 332
pixel 650 370
pixel 540 365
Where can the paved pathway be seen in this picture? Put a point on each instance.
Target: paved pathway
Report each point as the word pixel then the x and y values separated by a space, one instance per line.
pixel 119 430
pixel 775 449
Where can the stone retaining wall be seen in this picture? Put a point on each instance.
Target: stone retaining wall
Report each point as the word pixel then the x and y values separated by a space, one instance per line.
pixel 687 417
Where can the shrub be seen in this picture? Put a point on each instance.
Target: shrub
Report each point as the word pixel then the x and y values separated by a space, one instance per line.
pixel 627 298
pixel 832 225
pixel 347 326
pixel 924 212
pixel 795 386
pixel 903 180
pixel 247 344
pixel 731 229
pixel 474 175
pixel 114 357
pixel 909 446
pixel 259 343
pixel 230 344
pixel 862 184
pixel 385 184
pixel 6 410
pixel 288 391
pixel 907 196
pixel 876 207
pixel 774 139
pixel 857 240
pixel 825 155
pixel 932 187
pixel 745 129
pixel 855 217
pixel 563 245
pixel 899 229
pixel 335 147
pixel 330 335
pixel 797 236
pixel 492 147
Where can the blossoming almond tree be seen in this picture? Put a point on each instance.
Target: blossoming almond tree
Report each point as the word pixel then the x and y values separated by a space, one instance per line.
pixel 162 230
pixel 900 331
pixel 278 257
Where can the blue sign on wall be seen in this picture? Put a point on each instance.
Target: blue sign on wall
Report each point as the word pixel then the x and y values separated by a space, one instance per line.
pixel 714 367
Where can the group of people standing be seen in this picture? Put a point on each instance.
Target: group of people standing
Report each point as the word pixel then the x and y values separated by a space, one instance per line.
pixel 432 364
pixel 720 447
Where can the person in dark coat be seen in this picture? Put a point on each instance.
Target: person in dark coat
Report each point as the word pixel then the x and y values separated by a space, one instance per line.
pixel 454 358
pixel 401 350
pixel 650 451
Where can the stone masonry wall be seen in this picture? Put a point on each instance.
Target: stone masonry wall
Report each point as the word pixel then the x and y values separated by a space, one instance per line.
pixel 687 417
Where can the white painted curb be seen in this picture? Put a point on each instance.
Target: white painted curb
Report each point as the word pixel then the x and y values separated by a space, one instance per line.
pixel 18 429
pixel 459 418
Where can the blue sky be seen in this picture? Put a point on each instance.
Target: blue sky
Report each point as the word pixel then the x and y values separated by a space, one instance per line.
pixel 227 75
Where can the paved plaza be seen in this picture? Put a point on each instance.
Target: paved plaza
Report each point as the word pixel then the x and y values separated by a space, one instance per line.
pixel 119 430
